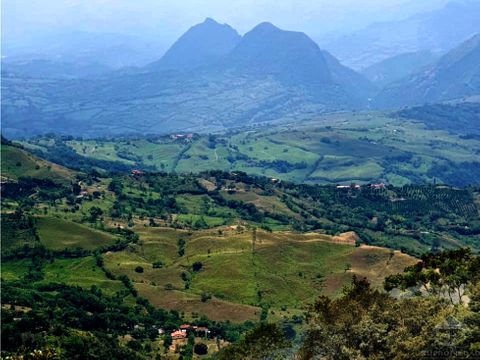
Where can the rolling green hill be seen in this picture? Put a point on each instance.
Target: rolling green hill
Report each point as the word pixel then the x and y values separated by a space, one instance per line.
pixel 16 163
pixel 126 253
pixel 57 234
pixel 399 148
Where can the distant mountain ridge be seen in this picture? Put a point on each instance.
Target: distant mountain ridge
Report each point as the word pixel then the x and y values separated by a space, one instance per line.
pixel 397 67
pixel 54 69
pixel 267 75
pixel 437 31
pixel 453 76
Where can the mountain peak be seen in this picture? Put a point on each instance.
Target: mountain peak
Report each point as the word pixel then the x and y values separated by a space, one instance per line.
pixel 264 27
pixel 289 56
pixel 201 45
pixel 209 20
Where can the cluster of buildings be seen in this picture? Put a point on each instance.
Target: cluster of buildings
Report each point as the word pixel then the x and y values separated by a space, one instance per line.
pixel 187 137
pixel 356 186
pixel 82 194
pixel 181 333
pixel 136 173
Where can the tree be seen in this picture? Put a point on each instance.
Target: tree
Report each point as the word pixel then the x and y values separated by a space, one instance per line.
pixel 365 323
pixel 440 274
pixel 197 266
pixel 167 342
pixel 204 297
pixel 181 247
pixel 200 349
pixel 95 212
pixel 266 341
pixel 472 321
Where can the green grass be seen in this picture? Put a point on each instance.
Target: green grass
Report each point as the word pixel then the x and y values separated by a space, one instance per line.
pixel 17 162
pixel 193 219
pixel 287 269
pixel 334 148
pixel 14 269
pixel 80 272
pixel 98 150
pixel 363 171
pixel 58 234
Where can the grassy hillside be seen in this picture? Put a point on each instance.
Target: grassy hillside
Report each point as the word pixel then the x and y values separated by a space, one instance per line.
pixel 412 218
pixel 58 234
pixel 124 254
pixel 16 162
pixel 182 240
pixel 282 270
pixel 337 148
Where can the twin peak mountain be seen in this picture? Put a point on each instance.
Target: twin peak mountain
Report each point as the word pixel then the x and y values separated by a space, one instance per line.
pixel 289 57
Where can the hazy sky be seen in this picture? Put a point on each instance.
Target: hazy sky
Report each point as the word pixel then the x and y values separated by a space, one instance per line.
pixel 165 20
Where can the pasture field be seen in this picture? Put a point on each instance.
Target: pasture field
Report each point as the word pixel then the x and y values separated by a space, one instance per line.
pixel 284 271
pixel 333 148
pixel 227 245
pixel 16 163
pixel 15 269
pixel 81 272
pixel 58 234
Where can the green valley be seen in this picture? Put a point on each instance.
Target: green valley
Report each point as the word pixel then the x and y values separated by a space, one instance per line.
pixel 337 148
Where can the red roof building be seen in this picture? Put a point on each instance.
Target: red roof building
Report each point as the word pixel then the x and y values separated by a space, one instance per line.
pixel 178 334
pixel 137 172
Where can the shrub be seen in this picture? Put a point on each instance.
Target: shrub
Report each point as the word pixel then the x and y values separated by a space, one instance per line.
pixel 197 266
pixel 139 269
pixel 200 349
pixel 205 296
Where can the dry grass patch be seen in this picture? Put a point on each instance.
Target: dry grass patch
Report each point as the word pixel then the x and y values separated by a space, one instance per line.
pixel 214 309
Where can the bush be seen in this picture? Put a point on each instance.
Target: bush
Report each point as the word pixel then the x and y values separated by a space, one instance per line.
pixel 205 296
pixel 200 349
pixel 197 266
pixel 139 269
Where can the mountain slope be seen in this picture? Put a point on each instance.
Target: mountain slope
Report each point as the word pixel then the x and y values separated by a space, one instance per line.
pixel 398 67
pixel 296 60
pixel 455 75
pixel 17 162
pixel 436 31
pixel 288 55
pixel 80 47
pixel 354 83
pixel 201 45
